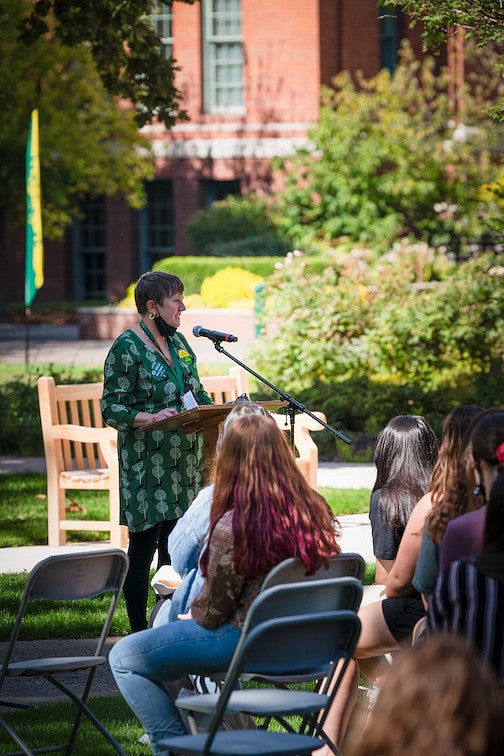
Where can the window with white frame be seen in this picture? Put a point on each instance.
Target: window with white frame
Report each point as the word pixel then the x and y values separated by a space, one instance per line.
pixel 161 17
pixel 222 56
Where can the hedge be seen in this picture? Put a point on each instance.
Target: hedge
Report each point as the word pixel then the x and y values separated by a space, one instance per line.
pixel 194 269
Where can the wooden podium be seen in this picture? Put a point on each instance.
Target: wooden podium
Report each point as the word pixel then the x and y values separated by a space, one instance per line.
pixel 206 419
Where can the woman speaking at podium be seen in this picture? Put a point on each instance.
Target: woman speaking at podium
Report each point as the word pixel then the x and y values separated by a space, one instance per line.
pixel 150 374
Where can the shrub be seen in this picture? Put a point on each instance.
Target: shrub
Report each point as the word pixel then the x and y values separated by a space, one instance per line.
pixel 230 287
pixel 365 340
pixel 386 163
pixel 193 270
pixel 370 319
pixel 20 430
pixel 257 245
pixel 227 221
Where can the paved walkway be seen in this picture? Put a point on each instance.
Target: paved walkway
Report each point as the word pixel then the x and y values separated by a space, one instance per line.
pixel 42 344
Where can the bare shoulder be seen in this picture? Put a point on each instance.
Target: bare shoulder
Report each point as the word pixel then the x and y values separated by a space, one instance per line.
pixel 423 506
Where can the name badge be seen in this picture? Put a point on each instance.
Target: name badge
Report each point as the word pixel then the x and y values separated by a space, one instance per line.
pixel 188 400
pixel 159 371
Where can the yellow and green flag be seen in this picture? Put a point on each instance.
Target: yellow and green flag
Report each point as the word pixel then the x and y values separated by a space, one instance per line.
pixel 34 268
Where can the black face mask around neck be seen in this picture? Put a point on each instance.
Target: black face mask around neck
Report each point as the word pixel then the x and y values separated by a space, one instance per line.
pixel 164 329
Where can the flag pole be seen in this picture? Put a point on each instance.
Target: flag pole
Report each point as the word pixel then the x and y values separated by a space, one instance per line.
pixel 34 261
pixel 27 339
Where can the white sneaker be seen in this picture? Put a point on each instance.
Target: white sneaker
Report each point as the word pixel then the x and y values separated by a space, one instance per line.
pixel 166 580
pixel 144 739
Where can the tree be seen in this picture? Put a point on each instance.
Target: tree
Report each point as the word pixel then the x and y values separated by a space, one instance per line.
pixel 481 21
pixel 89 145
pixel 123 47
pixel 385 163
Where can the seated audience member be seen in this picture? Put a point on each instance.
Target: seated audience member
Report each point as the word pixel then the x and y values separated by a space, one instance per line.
pixel 437 698
pixel 263 511
pixel 448 496
pixel 464 534
pixel 405 453
pixel 469 595
pixel 186 539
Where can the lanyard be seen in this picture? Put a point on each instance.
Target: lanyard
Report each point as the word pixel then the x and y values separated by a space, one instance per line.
pixel 176 367
pixel 179 378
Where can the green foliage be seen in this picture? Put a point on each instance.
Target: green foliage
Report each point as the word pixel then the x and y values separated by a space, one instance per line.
pixel 257 245
pixel 481 20
pixel 386 163
pixel 87 144
pixel 123 45
pixel 20 431
pixel 365 341
pixel 432 337
pixel 194 270
pixel 230 220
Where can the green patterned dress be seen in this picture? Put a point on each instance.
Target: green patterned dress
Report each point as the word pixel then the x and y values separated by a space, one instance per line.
pixel 160 472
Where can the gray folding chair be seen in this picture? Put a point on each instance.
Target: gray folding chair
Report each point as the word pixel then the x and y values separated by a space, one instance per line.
pixel 340 565
pixel 283 600
pixel 290 646
pixel 67 577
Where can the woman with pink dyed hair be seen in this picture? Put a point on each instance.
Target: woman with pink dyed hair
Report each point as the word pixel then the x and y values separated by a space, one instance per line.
pixel 263 511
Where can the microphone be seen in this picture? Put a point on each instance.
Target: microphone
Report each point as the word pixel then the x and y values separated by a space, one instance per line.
pixel 216 336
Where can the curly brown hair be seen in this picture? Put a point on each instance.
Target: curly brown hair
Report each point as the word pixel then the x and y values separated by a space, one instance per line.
pixel 452 474
pixel 431 703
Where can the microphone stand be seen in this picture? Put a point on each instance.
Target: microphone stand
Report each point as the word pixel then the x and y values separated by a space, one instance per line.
pixel 293 405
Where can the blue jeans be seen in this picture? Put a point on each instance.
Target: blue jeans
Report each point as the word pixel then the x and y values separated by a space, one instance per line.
pixel 142 661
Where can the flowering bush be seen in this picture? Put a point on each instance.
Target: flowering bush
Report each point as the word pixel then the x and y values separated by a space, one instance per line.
pixel 368 340
pixel 230 287
pixel 386 160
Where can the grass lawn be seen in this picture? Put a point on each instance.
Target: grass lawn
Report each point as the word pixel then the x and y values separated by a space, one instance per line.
pixel 23 522
pixel 59 619
pixel 48 724
pixel 23 514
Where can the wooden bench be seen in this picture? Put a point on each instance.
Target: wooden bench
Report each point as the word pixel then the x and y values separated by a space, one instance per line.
pixel 81 451
pixel 81 454
pixel 226 388
pixel 305 447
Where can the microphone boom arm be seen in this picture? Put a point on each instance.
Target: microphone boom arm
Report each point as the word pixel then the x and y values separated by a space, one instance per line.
pixel 294 405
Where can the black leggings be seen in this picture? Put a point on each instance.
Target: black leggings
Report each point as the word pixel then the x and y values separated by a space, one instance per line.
pixel 141 549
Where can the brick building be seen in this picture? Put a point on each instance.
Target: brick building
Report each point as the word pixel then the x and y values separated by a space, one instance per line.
pixel 250 74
